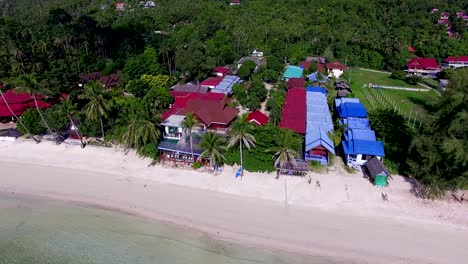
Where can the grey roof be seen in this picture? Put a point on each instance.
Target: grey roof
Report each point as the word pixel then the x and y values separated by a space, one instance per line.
pixel 375 167
pixel 191 88
pixel 317 137
pixel 225 86
pixel 342 93
pixel 173 121
pixel 182 145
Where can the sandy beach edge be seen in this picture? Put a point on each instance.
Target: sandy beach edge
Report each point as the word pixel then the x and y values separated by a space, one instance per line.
pixel 104 190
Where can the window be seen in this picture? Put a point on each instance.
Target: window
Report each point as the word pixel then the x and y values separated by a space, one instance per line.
pixel 364 157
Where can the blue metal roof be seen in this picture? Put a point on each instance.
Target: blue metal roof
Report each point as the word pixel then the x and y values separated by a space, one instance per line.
pixel 318 137
pixel 352 110
pixel 225 86
pixel 355 123
pixel 313 77
pixel 342 100
pixel 354 147
pixel 317 89
pixel 360 134
pixel 318 114
pixel 293 72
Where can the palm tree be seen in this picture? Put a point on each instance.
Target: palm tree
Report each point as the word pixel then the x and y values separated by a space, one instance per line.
pixel 31 86
pixel 214 146
pixel 98 105
pixel 189 122
pixel 239 133
pixel 69 109
pixel 16 117
pixel 143 128
pixel 284 152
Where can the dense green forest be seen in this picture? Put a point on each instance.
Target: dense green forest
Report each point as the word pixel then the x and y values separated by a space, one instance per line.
pixel 59 39
pixel 46 45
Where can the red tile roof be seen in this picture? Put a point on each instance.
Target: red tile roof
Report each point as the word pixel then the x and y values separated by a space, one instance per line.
pixel 423 63
pixel 222 70
pixel 182 98
pixel 305 65
pixel 320 68
pixel 295 83
pixel 212 81
pixel 411 49
pixel 211 112
pixel 336 65
pixel 19 103
pixel 258 118
pixel 457 59
pixel 293 115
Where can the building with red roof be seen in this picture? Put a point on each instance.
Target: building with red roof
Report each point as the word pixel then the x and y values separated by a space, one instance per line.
pixel 293 115
pixel 19 103
pixel 426 67
pixel 221 71
pixel 411 49
pixel 295 83
pixel 455 62
pixel 335 69
pixel 212 82
pixel 258 118
pixel 305 65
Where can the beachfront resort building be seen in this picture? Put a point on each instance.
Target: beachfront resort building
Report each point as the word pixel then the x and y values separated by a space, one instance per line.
pixel 18 103
pixel 377 172
pixel 360 143
pixel 455 62
pixel 318 145
pixel 210 110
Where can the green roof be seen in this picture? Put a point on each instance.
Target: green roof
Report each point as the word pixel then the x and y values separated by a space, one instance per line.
pixel 293 72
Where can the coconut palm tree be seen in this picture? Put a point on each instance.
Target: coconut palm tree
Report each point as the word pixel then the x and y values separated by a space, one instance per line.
pixel 189 122
pixel 31 86
pixel 284 151
pixel 98 105
pixel 214 146
pixel 143 128
pixel 16 117
pixel 241 132
pixel 69 109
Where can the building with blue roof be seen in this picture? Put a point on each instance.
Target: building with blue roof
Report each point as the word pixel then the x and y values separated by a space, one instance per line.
pixel 225 86
pixel 318 144
pixel 339 101
pixel 346 110
pixel 317 89
pixel 317 77
pixel 357 152
pixel 292 72
pixel 355 123
pixel 360 134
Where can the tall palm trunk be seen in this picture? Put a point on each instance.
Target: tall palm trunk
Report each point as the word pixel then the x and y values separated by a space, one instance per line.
pixel 77 132
pixel 241 158
pixel 42 117
pixel 191 144
pixel 102 130
pixel 17 118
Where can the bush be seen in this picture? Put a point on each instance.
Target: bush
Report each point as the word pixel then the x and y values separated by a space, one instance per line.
pixel 398 75
pixel 149 151
pixel 32 121
pixel 197 165
pixel 413 79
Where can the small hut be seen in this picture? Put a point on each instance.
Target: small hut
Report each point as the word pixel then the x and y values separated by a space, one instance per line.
pixel 300 168
pixel 377 172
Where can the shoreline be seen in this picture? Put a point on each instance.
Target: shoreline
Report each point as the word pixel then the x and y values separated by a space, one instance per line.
pixel 264 223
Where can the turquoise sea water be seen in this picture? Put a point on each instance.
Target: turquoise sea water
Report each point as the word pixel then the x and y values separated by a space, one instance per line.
pixel 36 231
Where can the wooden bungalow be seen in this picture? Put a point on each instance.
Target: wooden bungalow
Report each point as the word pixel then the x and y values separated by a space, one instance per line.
pixel 300 168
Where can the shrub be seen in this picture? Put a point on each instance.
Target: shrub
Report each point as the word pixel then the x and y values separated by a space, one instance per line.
pixel 197 165
pixel 398 75
pixel 413 79
pixel 32 121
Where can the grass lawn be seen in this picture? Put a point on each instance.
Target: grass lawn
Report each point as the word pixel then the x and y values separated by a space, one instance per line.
pixel 406 102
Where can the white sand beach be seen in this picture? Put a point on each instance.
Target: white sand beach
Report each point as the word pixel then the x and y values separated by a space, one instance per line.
pixel 344 218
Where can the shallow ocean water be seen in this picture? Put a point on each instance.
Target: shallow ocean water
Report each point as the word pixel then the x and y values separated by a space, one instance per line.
pixel 36 231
